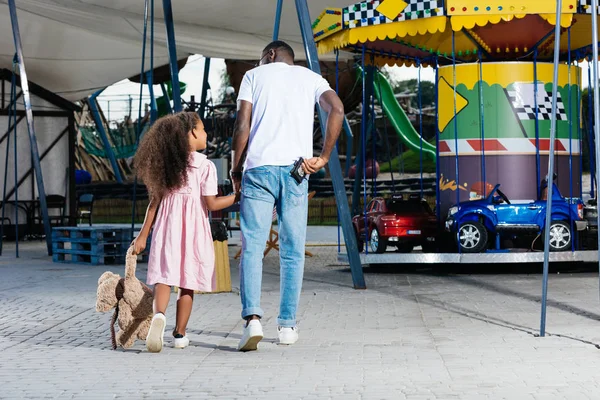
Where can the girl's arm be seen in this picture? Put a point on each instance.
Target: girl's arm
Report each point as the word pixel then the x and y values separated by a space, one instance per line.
pixel 139 242
pixel 214 203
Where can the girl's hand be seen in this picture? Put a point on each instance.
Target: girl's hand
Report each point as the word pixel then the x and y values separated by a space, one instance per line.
pixel 139 244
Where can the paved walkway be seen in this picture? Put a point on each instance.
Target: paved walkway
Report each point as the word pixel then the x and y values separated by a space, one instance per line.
pixel 412 334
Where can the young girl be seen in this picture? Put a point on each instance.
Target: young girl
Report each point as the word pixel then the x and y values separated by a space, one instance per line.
pixel 182 185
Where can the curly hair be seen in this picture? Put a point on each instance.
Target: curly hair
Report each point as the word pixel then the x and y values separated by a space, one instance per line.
pixel 163 156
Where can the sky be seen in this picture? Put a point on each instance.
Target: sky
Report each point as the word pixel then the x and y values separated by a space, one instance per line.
pixel 114 101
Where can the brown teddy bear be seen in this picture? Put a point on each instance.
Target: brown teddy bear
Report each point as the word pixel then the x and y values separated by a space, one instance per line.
pixel 132 301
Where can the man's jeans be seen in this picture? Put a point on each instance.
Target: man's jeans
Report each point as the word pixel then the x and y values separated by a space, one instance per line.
pixel 262 189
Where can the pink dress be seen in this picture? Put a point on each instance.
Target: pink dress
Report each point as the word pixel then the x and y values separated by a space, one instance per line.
pixel 182 252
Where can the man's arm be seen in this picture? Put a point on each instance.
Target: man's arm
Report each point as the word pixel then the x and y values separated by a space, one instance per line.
pixel 333 106
pixel 241 134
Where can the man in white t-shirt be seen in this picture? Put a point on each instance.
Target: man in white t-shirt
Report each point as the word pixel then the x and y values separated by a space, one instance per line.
pixel 273 130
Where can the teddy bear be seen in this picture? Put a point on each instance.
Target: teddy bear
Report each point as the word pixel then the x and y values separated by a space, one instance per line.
pixel 131 300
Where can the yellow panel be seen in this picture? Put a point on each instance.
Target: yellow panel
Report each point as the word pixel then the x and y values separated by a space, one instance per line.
pixel 505 73
pixel 328 23
pixel 503 7
pixel 397 29
pixel 446 101
pixel 391 8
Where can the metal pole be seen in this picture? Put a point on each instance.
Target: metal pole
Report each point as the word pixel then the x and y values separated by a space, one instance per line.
pixel 168 13
pixel 438 201
pixel 150 74
pixel 10 128
pixel 570 116
pixel 551 168
pixel 363 135
pixel 456 160
pixel 537 124
pixel 16 160
pixel 482 110
pixel 277 20
pixel 102 132
pixel 335 169
pixel 35 154
pixel 205 86
pixel 420 125
pixel 590 135
pixel 596 97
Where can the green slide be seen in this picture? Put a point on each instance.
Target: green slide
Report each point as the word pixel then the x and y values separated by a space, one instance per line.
pixel 398 118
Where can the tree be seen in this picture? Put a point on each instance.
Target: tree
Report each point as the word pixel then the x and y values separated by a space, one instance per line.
pixel 412 86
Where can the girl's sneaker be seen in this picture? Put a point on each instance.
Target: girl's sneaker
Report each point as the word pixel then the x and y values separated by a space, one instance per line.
pixel 180 341
pixel 154 340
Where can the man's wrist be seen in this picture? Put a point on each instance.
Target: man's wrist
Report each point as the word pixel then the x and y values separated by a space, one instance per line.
pixel 326 159
pixel 236 174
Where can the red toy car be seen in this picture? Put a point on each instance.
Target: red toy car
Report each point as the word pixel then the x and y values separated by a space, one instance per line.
pixel 396 222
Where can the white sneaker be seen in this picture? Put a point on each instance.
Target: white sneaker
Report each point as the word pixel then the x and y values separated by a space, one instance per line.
pixel 154 340
pixel 287 335
pixel 253 333
pixel 180 341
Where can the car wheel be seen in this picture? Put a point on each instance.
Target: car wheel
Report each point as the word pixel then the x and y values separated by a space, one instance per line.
pixel 560 236
pixel 472 237
pixel 405 248
pixel 377 244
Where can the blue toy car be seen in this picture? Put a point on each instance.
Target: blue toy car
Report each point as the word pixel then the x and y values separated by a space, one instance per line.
pixel 474 223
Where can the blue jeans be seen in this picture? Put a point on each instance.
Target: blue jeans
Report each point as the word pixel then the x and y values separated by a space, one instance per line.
pixel 263 188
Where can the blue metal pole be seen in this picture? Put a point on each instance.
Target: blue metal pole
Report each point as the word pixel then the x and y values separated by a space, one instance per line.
pixel 363 135
pixel 16 158
pixel 438 201
pixel 337 91
pixel 482 110
pixel 153 105
pixel 456 167
pixel 35 154
pixel 570 116
pixel 168 14
pixel 590 135
pixel 12 98
pixel 277 20
pixel 551 166
pixel 596 124
pixel 102 132
pixel 578 128
pixel 150 74
pixel 373 128
pixel 420 125
pixel 335 168
pixel 139 120
pixel 537 124
pixel 205 86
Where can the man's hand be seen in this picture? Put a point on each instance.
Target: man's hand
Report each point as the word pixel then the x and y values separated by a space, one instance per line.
pixel 314 164
pixel 139 244
pixel 236 181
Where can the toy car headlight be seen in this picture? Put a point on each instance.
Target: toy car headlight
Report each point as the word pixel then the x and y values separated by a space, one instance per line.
pixel 452 210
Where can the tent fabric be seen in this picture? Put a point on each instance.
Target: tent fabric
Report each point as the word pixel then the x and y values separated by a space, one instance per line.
pixel 75 47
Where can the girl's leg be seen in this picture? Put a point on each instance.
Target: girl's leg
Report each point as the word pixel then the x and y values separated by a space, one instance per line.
pixel 184 310
pixel 162 294
pixel 154 340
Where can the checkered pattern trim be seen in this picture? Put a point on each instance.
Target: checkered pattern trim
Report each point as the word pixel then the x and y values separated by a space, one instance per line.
pixel 585 7
pixel 365 13
pixel 527 111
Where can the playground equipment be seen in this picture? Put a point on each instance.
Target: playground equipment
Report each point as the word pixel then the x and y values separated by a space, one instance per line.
pixel 494 86
pixel 384 93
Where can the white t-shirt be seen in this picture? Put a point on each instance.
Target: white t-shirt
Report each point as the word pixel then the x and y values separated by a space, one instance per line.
pixel 283 101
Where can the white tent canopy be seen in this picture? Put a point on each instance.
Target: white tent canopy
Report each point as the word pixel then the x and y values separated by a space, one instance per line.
pixel 74 47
